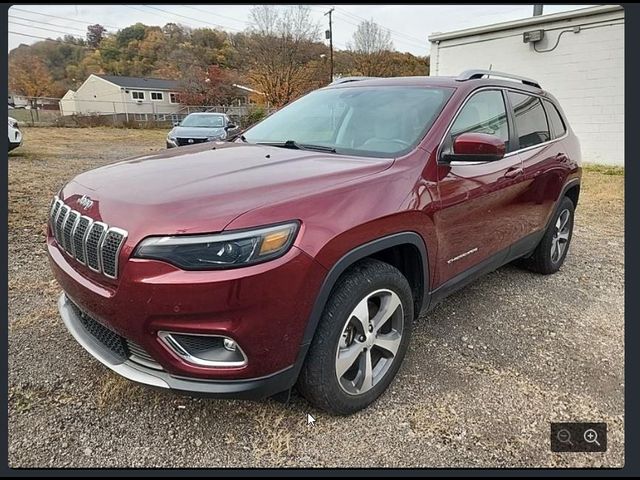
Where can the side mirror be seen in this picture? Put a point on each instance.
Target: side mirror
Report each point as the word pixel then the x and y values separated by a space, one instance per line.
pixel 475 147
pixel 176 124
pixel 230 126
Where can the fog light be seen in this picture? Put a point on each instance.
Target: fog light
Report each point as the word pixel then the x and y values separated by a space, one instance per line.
pixel 230 345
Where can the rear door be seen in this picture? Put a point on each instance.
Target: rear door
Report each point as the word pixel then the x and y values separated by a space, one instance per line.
pixel 538 127
pixel 479 216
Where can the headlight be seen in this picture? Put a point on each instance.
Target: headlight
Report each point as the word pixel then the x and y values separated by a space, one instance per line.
pixel 220 136
pixel 222 250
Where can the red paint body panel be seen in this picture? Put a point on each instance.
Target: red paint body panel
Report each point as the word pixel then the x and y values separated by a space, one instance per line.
pixel 342 202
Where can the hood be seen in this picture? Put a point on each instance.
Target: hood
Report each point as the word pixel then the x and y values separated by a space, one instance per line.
pixel 195 132
pixel 202 188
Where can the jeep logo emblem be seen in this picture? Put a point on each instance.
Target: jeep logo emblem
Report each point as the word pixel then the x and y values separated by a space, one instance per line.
pixel 85 202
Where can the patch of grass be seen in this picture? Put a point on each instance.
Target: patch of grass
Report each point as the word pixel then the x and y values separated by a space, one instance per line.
pixel 603 169
pixel 22 400
pixel 272 441
pixel 116 390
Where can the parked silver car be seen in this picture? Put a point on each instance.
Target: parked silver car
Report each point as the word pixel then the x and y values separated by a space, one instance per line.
pixel 198 128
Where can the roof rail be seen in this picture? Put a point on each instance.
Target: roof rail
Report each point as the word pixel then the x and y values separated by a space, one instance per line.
pixel 338 81
pixel 476 74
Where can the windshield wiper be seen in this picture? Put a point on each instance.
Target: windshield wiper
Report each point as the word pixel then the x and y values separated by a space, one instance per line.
pixel 299 146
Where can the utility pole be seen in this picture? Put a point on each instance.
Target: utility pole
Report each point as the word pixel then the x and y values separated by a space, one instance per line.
pixel 329 35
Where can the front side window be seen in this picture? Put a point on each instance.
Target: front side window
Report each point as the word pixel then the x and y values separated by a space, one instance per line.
pixel 137 95
pixel 156 96
pixel 484 112
pixel 558 127
pixel 530 119
pixel 381 121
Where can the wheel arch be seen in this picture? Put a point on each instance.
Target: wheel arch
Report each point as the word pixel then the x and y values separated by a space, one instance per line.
pixel 388 248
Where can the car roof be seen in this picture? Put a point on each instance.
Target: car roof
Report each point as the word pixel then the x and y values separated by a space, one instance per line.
pixel 435 81
pixel 208 113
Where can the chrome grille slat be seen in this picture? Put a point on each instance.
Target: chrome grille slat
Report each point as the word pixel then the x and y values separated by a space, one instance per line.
pixel 111 245
pixel 67 230
pixel 79 237
pixel 91 243
pixel 60 219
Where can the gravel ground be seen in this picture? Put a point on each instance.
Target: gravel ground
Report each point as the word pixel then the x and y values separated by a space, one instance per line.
pixel 486 372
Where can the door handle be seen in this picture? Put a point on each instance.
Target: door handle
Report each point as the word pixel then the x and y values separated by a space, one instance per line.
pixel 513 172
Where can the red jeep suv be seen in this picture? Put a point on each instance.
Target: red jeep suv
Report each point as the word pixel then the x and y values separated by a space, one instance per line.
pixel 300 252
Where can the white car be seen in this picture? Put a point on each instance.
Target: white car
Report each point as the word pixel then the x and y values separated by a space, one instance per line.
pixel 15 135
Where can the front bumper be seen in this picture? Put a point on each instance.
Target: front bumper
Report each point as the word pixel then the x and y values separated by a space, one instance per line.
pixel 16 141
pixel 264 308
pixel 246 389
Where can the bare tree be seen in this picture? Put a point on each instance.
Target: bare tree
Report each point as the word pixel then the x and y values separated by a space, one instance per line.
pixel 278 45
pixel 371 47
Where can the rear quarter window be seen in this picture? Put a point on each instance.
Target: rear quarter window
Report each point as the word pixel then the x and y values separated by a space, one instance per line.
pixel 558 128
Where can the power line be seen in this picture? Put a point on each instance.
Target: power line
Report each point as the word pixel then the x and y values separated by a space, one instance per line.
pixel 350 21
pixel 41 28
pixel 60 18
pixel 393 36
pixel 172 14
pixel 45 38
pixel 401 34
pixel 45 23
pixel 246 22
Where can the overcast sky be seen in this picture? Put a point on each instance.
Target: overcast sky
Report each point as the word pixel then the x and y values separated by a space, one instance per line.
pixel 410 25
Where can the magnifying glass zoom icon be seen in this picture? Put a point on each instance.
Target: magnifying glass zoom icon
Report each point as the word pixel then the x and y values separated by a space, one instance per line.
pixel 591 436
pixel 564 436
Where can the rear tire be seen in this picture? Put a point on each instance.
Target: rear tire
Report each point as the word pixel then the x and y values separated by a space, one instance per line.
pixel 552 250
pixel 361 339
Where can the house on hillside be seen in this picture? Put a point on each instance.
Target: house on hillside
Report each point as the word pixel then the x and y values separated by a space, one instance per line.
pixel 135 98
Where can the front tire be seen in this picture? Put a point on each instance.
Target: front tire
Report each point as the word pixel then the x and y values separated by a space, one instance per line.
pixel 552 250
pixel 361 339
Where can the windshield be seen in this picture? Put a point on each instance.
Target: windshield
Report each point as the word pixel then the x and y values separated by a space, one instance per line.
pixel 371 121
pixel 207 121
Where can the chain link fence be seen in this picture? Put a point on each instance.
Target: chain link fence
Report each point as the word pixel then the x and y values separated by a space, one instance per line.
pixel 57 112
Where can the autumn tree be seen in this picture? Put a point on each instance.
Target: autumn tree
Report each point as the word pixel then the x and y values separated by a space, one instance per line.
pixel 95 34
pixel 277 48
pixel 30 77
pixel 207 86
pixel 371 47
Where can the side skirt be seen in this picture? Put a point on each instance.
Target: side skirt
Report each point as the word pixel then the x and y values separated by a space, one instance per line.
pixel 519 249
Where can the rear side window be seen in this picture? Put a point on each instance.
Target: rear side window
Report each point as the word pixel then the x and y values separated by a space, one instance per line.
pixel 484 112
pixel 530 119
pixel 558 127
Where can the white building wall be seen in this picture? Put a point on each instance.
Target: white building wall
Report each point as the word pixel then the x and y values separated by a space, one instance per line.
pixel 585 72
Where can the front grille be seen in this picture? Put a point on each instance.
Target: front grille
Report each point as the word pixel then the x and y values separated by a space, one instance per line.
pixel 185 141
pixel 119 346
pixel 94 244
pixel 102 334
pixel 140 356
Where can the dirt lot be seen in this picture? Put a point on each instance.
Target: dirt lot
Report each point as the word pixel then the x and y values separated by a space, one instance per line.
pixel 486 372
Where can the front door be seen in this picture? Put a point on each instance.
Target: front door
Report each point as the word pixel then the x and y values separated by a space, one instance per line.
pixel 479 217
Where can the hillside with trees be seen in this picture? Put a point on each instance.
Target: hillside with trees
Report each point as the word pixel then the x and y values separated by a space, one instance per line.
pixel 281 54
